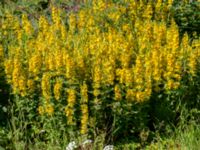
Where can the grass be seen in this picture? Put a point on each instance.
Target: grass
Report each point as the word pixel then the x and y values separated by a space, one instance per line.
pixel 185 138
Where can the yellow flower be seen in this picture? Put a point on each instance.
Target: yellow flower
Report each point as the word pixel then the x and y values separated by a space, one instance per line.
pixel 55 13
pixel 41 110
pixel 57 89
pixel 140 96
pixel 97 77
pixel 96 92
pixel 49 109
pixel 8 63
pixel 117 91
pixel 192 63
pixel 70 74
pixel 84 118
pixel 31 85
pixel 71 97
pixel 27 25
pixel 69 109
pixel 1 53
pixel 22 85
pixel 84 93
pixel 130 94
pixel 16 75
pixel 35 64
pixel 69 114
pixel 169 84
pixel 46 87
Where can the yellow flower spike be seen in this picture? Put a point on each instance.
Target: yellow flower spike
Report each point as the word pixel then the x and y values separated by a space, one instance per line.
pixel 84 118
pixel 80 63
pixel 8 69
pixel 148 12
pixel 51 62
pixel 140 96
pixel 156 64
pixel 96 92
pixel 55 13
pixel 49 109
pixel 16 75
pixel 63 33
pixel 72 22
pixel 46 87
pixel 118 95
pixel 176 85
pixel 41 110
pixel 57 89
pixel 139 73
pixel 43 24
pixel 108 72
pixel 31 85
pixel 35 64
pixel 59 61
pixel 69 114
pixel 129 77
pixel 97 76
pixel 27 27
pixel 130 95
pixel 70 72
pixel 185 41
pixel 84 93
pixel 158 5
pixel 169 85
pixel 22 86
pixel 192 63
pixel 71 97
pixel 170 2
pixel 1 52
pixel 81 19
pixel 69 110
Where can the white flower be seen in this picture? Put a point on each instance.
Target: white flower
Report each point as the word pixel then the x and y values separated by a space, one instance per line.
pixel 42 131
pixel 87 142
pixel 109 147
pixel 71 146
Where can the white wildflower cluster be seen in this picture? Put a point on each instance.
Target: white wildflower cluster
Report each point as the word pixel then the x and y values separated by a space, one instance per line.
pixel 71 146
pixel 87 142
pixel 109 147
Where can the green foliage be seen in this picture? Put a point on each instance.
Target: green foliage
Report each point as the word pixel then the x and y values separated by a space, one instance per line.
pixel 187 16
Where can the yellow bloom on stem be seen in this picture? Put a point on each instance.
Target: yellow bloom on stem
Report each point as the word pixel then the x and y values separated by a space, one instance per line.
pixel 46 87
pixel 16 75
pixel 8 63
pixel 22 86
pixel 49 109
pixel 27 25
pixel 118 95
pixel 84 118
pixel 1 53
pixel 35 64
pixel 57 89
pixel 140 96
pixel 130 95
pixel 31 85
pixel 97 77
pixel 71 97
pixel 41 110
pixel 69 110
pixel 84 93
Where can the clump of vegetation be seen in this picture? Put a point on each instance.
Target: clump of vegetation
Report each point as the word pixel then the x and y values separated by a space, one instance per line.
pixel 111 71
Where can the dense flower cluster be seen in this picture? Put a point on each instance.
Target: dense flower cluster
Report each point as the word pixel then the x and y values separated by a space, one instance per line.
pixel 132 49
